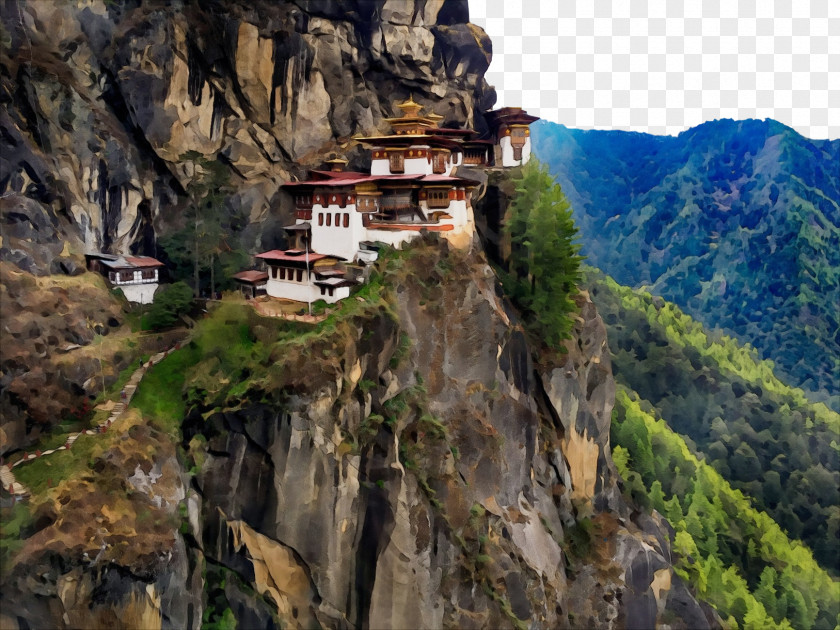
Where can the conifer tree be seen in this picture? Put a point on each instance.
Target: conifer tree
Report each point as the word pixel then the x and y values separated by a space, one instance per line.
pixel 544 264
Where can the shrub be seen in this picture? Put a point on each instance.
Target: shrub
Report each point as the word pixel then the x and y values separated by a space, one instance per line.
pixel 170 302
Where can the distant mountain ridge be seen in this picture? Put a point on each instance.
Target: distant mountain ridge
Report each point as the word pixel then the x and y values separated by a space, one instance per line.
pixel 738 222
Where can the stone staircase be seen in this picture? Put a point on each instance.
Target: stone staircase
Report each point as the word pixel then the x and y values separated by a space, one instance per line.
pixel 7 477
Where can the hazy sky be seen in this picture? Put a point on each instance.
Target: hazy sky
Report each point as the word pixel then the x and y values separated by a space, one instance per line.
pixel 643 66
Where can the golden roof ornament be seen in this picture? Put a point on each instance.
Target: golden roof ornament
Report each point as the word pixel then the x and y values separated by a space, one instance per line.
pixel 410 108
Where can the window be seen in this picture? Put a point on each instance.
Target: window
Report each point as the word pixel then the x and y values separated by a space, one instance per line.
pixel 323 290
pixel 437 198
pixel 397 162
pixel 148 274
pixel 320 218
pixel 439 163
pixel 331 290
pixel 517 152
pixel 300 275
pixel 329 219
pixel 346 220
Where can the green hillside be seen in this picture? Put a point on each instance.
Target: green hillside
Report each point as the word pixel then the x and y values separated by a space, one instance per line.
pixel 737 222
pixel 760 434
pixel 736 556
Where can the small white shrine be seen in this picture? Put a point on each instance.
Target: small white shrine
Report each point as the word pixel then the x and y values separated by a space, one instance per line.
pixel 138 277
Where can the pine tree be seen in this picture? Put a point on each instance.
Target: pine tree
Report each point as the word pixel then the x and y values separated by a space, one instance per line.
pixel 544 265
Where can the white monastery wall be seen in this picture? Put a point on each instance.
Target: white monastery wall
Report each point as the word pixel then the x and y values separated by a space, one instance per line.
pixel 507 152
pixel 333 239
pixel 139 293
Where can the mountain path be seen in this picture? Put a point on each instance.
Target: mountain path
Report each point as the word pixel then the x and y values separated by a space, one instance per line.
pixel 7 477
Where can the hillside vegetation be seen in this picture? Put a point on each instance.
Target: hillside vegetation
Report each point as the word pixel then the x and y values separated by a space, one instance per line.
pixel 760 434
pixel 736 556
pixel 736 222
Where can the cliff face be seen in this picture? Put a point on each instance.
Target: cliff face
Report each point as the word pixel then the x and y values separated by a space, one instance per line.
pixel 409 467
pixel 101 100
pixel 406 465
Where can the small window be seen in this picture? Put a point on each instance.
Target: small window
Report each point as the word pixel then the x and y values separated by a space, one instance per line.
pixel 439 163
pixel 323 290
pixel 517 152
pixel 397 162
pixel 346 220
pixel 320 218
pixel 329 219
pixel 300 275
pixel 331 291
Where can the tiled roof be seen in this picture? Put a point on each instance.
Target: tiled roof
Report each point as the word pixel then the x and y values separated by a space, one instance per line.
pixel 125 262
pixel 143 261
pixel 293 256
pixel 251 276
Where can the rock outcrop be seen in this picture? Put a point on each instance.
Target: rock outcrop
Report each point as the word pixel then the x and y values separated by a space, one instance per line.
pixel 408 465
pixel 101 100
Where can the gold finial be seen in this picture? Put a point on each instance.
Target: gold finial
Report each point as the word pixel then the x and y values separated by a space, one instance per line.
pixel 410 107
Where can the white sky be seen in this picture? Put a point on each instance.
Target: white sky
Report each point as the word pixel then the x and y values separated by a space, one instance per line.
pixel 617 64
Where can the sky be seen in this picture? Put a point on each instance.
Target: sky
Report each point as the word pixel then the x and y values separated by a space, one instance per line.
pixel 643 66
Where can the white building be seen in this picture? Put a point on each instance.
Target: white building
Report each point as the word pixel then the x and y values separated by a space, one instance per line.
pixel 412 187
pixel 138 277
pixel 512 134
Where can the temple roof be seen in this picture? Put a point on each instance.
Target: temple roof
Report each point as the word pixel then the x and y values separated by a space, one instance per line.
pixel 510 116
pixel 409 139
pixel 252 276
pixel 299 227
pixel 337 182
pixel 125 262
pixel 295 257
pixel 336 282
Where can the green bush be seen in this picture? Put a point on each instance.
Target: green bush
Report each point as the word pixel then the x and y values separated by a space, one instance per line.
pixel 170 302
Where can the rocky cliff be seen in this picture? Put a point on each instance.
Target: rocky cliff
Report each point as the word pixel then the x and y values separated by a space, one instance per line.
pixel 102 99
pixel 406 463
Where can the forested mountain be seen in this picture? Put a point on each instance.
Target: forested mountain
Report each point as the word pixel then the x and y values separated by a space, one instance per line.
pixel 736 222
pixel 736 556
pixel 758 433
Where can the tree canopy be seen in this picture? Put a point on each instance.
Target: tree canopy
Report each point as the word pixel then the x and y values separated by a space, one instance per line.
pixel 544 265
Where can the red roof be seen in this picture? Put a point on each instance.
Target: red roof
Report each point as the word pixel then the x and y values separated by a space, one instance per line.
pixel 281 256
pixel 317 174
pixel 348 181
pixel 143 261
pixel 251 276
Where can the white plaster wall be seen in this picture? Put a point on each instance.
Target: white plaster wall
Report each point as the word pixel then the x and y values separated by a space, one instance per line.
pixel 139 293
pixel 299 291
pixel 303 291
pixel 137 278
pixel 337 241
pixel 379 167
pixel 412 166
pixel 394 238
pixel 507 152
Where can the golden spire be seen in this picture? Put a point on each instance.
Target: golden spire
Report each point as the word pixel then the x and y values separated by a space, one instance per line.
pixel 409 107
